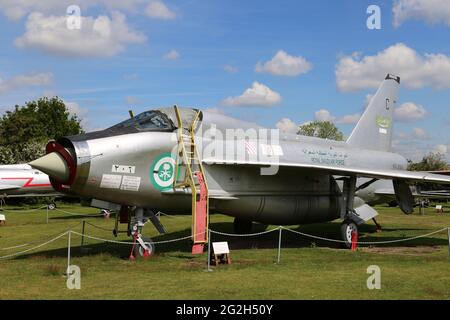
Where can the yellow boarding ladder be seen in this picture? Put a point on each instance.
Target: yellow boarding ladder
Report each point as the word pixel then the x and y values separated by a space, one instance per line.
pixel 193 178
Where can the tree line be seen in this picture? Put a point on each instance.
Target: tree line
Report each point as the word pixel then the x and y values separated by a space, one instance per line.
pixel 25 130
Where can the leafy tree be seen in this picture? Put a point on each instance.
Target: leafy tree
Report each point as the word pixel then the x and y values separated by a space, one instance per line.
pixel 430 162
pixel 321 129
pixel 25 131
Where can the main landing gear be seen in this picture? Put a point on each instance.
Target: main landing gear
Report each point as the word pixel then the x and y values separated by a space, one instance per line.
pixel 349 228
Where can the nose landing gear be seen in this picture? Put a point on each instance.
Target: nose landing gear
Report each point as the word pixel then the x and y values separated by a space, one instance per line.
pixel 142 247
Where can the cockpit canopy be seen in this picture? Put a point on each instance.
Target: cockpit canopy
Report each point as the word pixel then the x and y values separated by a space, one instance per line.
pixel 153 120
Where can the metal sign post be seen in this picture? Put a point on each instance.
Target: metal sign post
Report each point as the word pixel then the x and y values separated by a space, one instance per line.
pixel 68 252
pixel 209 250
pixel 279 245
pixel 448 230
pixel 82 235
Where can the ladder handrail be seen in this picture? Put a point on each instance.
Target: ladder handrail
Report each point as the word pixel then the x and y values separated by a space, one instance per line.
pixel 189 174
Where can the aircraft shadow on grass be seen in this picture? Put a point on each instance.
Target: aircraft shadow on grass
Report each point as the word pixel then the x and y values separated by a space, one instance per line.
pixel 265 241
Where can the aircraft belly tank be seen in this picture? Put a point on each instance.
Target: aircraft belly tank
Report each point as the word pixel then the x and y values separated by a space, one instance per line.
pixel 286 198
pixel 282 210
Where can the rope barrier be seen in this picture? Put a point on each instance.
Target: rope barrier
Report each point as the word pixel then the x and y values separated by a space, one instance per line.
pixel 166 215
pixel 30 210
pixel 130 243
pixel 80 214
pixel 362 242
pixel 34 248
pixel 30 243
pixel 98 227
pixel 244 235
pixel 211 231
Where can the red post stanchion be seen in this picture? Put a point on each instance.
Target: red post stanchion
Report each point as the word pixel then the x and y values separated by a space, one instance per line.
pixel 354 241
pixel 132 257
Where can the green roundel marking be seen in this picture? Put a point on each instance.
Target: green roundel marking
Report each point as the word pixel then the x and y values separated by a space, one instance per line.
pixel 384 122
pixel 162 172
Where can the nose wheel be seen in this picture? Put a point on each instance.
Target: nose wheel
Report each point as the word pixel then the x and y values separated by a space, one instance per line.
pixel 348 230
pixel 144 249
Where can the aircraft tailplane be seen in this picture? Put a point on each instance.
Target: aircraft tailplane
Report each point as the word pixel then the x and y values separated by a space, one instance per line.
pixel 374 129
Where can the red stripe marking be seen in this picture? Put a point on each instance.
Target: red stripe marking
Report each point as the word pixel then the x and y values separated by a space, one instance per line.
pixel 28 183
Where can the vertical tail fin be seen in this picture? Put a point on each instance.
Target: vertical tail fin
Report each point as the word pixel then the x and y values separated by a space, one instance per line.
pixel 374 129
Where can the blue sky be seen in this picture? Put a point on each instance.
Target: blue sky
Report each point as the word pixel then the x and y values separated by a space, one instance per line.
pixel 151 53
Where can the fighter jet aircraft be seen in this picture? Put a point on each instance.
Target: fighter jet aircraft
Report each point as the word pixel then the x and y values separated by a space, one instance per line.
pixel 179 159
pixel 382 192
pixel 21 180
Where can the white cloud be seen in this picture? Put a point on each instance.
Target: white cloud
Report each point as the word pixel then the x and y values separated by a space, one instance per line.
pixel 287 125
pixel 416 71
pixel 171 55
pixel 410 111
pixel 419 133
pixel 349 119
pixel 283 64
pixel 215 110
pixel 442 149
pixel 325 115
pixel 230 69
pixel 431 11
pixel 101 36
pixel 257 95
pixel 75 109
pixel 17 9
pixel 158 10
pixel 26 80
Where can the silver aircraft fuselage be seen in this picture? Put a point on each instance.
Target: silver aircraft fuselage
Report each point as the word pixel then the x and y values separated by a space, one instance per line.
pixel 291 196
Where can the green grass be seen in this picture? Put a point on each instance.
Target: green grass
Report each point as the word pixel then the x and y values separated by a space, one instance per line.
pixel 309 269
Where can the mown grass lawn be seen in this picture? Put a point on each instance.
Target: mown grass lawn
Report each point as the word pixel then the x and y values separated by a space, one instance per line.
pixel 309 269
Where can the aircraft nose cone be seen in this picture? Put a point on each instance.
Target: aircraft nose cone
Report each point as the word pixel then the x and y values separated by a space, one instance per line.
pixel 54 165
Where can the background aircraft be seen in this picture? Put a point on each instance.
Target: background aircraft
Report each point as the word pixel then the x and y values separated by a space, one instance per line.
pixel 382 192
pixel 21 180
pixel 161 160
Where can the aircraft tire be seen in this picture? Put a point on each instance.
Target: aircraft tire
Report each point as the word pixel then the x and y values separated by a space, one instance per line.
pixel 139 250
pixel 347 228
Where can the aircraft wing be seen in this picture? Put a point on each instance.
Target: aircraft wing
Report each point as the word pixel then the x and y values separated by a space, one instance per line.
pixel 5 187
pixel 435 194
pixel 385 192
pixel 413 176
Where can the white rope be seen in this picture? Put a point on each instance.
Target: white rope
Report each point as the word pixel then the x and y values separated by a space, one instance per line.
pixel 244 235
pixel 362 242
pixel 131 243
pixel 80 214
pixel 166 215
pixel 34 248
pixel 30 243
pixel 30 210
pixel 97 227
